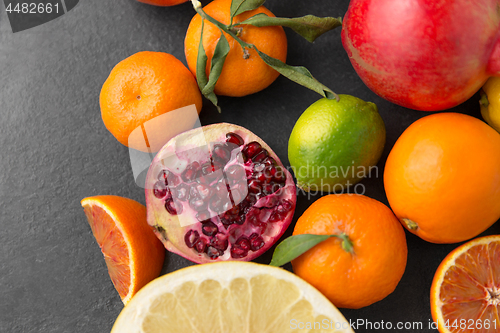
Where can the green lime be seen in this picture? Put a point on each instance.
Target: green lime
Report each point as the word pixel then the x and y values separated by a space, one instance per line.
pixel 336 144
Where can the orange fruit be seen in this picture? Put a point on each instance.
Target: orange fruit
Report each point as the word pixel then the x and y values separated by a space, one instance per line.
pixel 240 75
pixel 163 3
pixel 139 96
pixel 465 292
pixel 442 177
pixel 374 267
pixel 133 254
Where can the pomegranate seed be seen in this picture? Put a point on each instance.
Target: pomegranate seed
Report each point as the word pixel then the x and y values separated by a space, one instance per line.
pixel 198 205
pixel 201 245
pixel 285 206
pixel 279 176
pixel 268 161
pixel 222 153
pixel 254 186
pixel 173 207
pixel 209 228
pixel 191 172
pixel 240 248
pixel 159 190
pixel 244 243
pixel 220 189
pixel 276 216
pixel 204 192
pixel 260 156
pixel 213 253
pixel 244 157
pixel 252 218
pixel 220 205
pixel 219 242
pixel 260 176
pixel 203 216
pixel 238 253
pixel 168 178
pixel 182 192
pixel 231 218
pixel 235 172
pixel 218 165
pixel 268 189
pixel 225 222
pixel 193 192
pixel 251 199
pixel 240 220
pixel 207 168
pixel 252 149
pixel 256 242
pixel 258 167
pixel 191 238
pixel 270 172
pixel 236 196
pixel 241 187
pixel 202 179
pixel 234 138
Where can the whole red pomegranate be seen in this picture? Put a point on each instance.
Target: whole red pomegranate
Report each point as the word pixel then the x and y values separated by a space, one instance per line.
pixel 423 54
pixel 218 193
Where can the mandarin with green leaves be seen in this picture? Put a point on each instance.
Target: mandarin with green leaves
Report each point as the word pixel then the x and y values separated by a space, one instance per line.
pixel 364 262
pixel 244 72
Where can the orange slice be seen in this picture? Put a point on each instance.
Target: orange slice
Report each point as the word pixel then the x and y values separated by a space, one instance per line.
pixel 133 254
pixel 465 292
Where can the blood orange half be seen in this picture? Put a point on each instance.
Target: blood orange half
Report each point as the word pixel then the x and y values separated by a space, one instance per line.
pixel 133 254
pixel 465 292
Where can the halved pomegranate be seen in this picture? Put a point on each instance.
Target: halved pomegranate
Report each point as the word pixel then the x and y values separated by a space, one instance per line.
pixel 219 193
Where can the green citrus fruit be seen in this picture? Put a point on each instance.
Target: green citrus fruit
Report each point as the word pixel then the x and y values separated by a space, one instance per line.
pixel 336 144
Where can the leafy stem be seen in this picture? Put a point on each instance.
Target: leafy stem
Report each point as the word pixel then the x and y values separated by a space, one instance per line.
pixel 294 246
pixel 227 29
pixel 310 27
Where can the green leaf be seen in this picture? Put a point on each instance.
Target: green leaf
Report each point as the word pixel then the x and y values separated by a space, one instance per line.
pixel 201 72
pixel 201 62
pixel 221 50
pixel 294 246
pixel 299 75
pixel 241 6
pixel 310 27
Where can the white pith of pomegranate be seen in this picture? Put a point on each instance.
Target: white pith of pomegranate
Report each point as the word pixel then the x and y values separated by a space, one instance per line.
pixel 219 193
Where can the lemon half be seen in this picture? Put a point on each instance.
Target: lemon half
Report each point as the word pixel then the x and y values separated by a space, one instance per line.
pixel 230 297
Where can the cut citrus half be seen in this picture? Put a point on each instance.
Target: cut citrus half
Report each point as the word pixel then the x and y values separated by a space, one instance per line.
pixel 465 292
pixel 228 297
pixel 133 254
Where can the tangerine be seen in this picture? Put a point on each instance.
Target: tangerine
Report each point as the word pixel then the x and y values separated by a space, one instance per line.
pixel 139 96
pixel 242 74
pixel 364 264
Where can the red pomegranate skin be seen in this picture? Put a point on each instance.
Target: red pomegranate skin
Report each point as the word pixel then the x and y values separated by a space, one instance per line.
pixel 425 55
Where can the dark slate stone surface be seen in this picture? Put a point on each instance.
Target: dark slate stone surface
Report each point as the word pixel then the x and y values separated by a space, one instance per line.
pixel 55 151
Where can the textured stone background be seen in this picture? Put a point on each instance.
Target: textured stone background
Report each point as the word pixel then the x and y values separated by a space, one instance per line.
pixel 55 151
